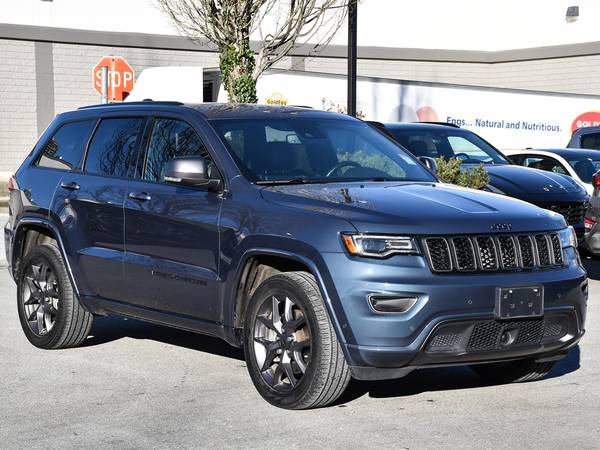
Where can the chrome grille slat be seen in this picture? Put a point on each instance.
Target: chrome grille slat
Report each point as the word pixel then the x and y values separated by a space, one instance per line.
pixel 464 254
pixel 507 252
pixel 557 254
pixel 526 251
pixel 439 254
pixel 542 250
pixel 487 253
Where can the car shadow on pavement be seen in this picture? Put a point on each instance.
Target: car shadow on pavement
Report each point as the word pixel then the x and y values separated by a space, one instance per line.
pixel 112 328
pixel 440 379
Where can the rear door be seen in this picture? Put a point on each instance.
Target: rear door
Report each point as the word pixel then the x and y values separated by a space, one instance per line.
pixel 92 205
pixel 172 231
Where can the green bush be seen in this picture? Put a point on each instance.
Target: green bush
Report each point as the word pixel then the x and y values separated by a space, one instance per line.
pixel 449 172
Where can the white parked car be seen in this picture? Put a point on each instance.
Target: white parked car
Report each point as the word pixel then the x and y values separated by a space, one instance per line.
pixel 579 164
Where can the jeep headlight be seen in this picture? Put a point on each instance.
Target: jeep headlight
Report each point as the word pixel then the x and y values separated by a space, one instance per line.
pixel 568 238
pixel 379 246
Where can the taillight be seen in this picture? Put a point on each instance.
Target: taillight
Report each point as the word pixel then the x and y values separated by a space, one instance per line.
pixel 588 224
pixel 596 179
pixel 12 183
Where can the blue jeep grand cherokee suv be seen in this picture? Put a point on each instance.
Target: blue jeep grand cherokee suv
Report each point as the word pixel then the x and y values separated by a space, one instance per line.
pixel 309 238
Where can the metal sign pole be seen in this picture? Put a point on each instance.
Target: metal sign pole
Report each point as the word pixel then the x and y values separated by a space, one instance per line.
pixel 104 84
pixel 352 15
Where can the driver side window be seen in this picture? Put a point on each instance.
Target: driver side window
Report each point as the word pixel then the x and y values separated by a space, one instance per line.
pixel 171 138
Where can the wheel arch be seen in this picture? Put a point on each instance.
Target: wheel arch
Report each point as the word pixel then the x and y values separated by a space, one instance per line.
pixel 27 233
pixel 258 264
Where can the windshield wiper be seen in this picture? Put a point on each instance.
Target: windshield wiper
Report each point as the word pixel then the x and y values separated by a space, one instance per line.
pixel 296 180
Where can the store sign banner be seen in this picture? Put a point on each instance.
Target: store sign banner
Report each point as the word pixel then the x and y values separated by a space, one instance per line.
pixel 509 119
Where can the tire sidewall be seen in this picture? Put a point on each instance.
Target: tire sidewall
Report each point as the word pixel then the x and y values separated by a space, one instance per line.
pixel 281 285
pixel 44 254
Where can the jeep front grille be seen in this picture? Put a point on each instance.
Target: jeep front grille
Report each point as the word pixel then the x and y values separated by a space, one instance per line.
pixel 493 253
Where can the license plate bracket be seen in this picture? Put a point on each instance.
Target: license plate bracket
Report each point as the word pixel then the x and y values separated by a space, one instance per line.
pixel 519 302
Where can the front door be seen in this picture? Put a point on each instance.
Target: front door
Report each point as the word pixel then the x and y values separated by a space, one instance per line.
pixel 171 231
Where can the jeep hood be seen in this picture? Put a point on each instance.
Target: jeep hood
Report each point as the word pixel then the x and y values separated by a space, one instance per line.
pixel 414 208
pixel 522 182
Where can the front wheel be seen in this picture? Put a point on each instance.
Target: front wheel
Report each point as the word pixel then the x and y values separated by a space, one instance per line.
pixel 292 353
pixel 513 371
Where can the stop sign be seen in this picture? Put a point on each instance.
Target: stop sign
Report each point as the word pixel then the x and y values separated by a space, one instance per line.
pixel 120 77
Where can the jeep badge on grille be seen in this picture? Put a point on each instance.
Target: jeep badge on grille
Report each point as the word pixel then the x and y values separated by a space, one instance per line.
pixel 501 227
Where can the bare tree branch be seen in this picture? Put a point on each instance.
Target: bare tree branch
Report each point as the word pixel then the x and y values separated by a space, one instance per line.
pixel 281 25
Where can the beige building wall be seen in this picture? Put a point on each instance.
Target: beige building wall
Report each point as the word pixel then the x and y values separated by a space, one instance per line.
pixel 41 79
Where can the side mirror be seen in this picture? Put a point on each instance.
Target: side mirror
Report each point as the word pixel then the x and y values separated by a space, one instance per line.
pixel 189 171
pixel 429 163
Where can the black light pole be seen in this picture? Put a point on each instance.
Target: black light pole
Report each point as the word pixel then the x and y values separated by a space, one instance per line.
pixel 352 7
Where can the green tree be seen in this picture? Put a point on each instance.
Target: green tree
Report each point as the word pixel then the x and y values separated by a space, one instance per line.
pixel 450 172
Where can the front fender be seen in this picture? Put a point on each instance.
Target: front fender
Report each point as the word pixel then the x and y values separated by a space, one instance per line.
pixel 293 250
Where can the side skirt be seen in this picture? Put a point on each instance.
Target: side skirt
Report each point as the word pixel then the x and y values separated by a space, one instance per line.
pixel 105 307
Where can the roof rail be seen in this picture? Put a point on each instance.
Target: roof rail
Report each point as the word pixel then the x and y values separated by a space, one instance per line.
pixel 143 102
pixel 447 124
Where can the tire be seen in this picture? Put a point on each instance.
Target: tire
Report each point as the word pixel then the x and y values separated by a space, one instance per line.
pixel 513 371
pixel 317 360
pixel 64 322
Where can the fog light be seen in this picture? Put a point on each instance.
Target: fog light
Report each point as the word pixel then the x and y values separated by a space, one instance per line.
pixel 386 304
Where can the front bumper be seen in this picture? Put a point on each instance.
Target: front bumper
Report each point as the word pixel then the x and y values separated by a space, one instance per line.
pixel 380 346
pixel 477 340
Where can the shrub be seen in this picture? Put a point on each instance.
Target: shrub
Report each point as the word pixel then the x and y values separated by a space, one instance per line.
pixel 449 172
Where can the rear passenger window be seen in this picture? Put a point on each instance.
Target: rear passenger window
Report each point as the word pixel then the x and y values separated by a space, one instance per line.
pixel 171 138
pixel 112 146
pixel 65 149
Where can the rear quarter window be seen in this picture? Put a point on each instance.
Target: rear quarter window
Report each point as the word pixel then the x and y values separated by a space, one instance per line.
pixel 64 150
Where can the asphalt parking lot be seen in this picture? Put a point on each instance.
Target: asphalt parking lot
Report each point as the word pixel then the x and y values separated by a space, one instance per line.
pixel 139 385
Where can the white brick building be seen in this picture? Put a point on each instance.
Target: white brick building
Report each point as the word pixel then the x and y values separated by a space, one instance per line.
pixel 49 47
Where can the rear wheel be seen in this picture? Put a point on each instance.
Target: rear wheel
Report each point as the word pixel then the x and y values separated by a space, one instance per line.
pixel 513 371
pixel 49 311
pixel 292 353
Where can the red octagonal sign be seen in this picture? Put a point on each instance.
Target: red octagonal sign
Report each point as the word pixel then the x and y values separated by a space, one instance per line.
pixel 121 77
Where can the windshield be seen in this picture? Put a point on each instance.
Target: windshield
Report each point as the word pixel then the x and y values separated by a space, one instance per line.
pixel 299 149
pixel 448 143
pixel 584 167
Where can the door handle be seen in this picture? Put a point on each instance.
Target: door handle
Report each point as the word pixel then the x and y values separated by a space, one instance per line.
pixel 141 196
pixel 72 186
